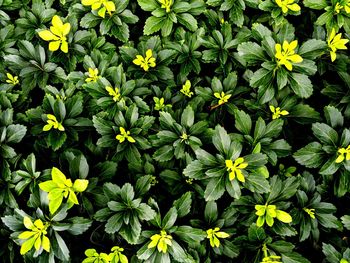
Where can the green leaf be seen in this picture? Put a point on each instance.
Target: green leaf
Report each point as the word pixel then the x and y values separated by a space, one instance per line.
pixel 15 133
pixel 153 24
pixel 333 116
pixel 206 158
pixel 189 234
pixel 346 221
pixel 211 212
pixel 221 140
pixel 114 223
pixel 316 4
pixel 194 170
pixel 187 117
pixel 257 183
pixel 256 233
pixel 188 21
pixel 148 5
pixel 215 189
pixel 293 257
pixel 303 113
pixel 164 154
pixel 60 247
pixel 310 156
pixel 332 255
pixel 146 212
pixel 251 52
pixel 169 219
pixel 301 85
pixel 79 225
pixel 243 122
pixel 325 134
pixel 312 48
pixel 183 204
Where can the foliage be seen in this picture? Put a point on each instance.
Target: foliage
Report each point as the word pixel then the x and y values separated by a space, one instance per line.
pixel 174 131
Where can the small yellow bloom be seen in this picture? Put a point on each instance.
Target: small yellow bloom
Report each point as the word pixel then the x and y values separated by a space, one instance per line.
pixel 114 93
pixel 287 55
pixel 214 235
pixel 268 213
pixel 223 98
pixel 124 135
pixel 35 237
pixel 236 168
pixel 277 112
pixel 52 123
pixel 186 89
pixel 145 62
pixel 288 4
pixel 93 75
pixel 310 212
pixel 184 137
pixel 338 8
pixel 166 4
pixel 108 6
pixel 347 7
pixel 56 35
pixel 12 79
pixel 336 42
pixel 272 259
pixel 162 241
pixel 189 180
pixel 343 154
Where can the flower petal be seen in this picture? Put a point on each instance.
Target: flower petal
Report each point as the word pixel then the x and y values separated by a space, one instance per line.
pixel 47 35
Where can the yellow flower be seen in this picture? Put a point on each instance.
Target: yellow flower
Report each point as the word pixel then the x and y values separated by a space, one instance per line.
pixel 235 169
pixel 272 259
pixel 145 62
pixel 189 180
pixel 347 7
pixel 287 55
pixel 56 35
pixel 36 237
pixel 343 154
pixel 214 235
pixel 124 135
pixel 268 213
pixel 184 137
pixel 223 98
pixel 186 89
pixel 288 4
pixel 162 241
pixel 52 123
pixel 114 93
pixel 12 79
pixel 108 6
pixel 337 8
pixel 166 4
pixel 93 75
pixel 336 42
pixel 310 212
pixel 277 112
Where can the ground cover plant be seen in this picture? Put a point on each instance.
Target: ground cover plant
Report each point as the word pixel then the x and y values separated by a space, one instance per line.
pixel 175 131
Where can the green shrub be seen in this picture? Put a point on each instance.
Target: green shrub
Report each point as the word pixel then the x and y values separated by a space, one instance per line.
pixel 174 131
